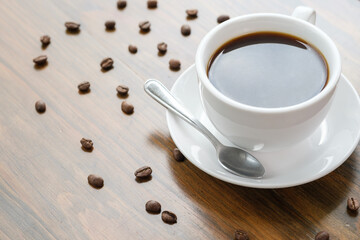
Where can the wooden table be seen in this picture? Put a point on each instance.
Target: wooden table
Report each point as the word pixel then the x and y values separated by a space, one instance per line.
pixel 44 192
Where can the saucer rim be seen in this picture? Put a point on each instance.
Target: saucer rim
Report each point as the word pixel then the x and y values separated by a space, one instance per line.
pixel 257 184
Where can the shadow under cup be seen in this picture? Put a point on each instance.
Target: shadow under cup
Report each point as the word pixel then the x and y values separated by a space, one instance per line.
pixel 266 129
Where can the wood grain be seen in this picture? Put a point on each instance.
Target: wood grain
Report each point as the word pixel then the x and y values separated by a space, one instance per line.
pixel 43 171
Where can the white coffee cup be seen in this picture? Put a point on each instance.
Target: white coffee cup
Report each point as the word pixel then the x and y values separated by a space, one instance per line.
pixel 267 129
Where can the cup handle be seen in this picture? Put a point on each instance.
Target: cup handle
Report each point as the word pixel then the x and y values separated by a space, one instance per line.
pixel 305 13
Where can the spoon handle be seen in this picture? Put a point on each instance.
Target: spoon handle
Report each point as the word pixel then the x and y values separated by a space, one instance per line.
pixel 162 95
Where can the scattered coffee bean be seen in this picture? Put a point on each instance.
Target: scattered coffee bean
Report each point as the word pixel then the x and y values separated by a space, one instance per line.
pixel 192 13
pixel 178 155
pixel 143 172
pixel 144 26
pixel 153 206
pixel 132 49
pixel 40 60
pixel 95 181
pixel 322 236
pixel 162 47
pixel 110 25
pixel 84 86
pixel 45 40
pixel 152 3
pixel 40 106
pixel 122 90
pixel 127 107
pixel 86 143
pixel 72 27
pixel 168 217
pixel 107 63
pixel 241 235
pixel 222 18
pixel 121 4
pixel 185 30
pixel 352 204
pixel 174 64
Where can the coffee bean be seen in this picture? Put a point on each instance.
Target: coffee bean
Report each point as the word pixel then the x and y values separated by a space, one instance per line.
pixel 174 64
pixel 40 60
pixel 185 30
pixel 84 86
pixel 72 27
pixel 222 18
pixel 127 107
pixel 107 63
pixel 152 3
pixel 322 236
pixel 178 155
pixel 352 204
pixel 168 217
pixel 110 25
pixel 241 235
pixel 162 47
pixel 192 13
pixel 121 4
pixel 45 40
pixel 132 49
pixel 95 181
pixel 122 90
pixel 144 26
pixel 86 143
pixel 153 206
pixel 143 172
pixel 40 106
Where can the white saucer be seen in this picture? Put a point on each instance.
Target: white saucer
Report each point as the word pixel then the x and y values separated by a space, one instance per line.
pixel 329 146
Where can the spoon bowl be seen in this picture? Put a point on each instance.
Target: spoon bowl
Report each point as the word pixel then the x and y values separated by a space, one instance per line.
pixel 239 162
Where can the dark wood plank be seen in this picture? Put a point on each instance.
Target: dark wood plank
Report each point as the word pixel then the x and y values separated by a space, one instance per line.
pixel 43 171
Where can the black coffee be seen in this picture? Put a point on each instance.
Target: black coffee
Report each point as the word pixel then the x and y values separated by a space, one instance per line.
pixel 268 69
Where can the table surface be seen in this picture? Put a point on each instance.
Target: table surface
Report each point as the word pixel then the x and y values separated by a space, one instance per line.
pixel 44 192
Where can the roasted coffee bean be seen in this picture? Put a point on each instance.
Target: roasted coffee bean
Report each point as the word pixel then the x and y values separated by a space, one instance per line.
pixel 86 143
pixel 241 235
pixel 322 236
pixel 122 90
pixel 192 13
pixel 110 25
pixel 72 27
pixel 121 4
pixel 132 49
pixel 168 217
pixel 222 18
pixel 178 155
pixel 95 181
pixel 185 30
pixel 352 204
pixel 143 172
pixel 40 106
pixel 152 3
pixel 144 26
pixel 174 64
pixel 45 40
pixel 127 107
pixel 40 60
pixel 162 47
pixel 84 86
pixel 153 206
pixel 107 63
